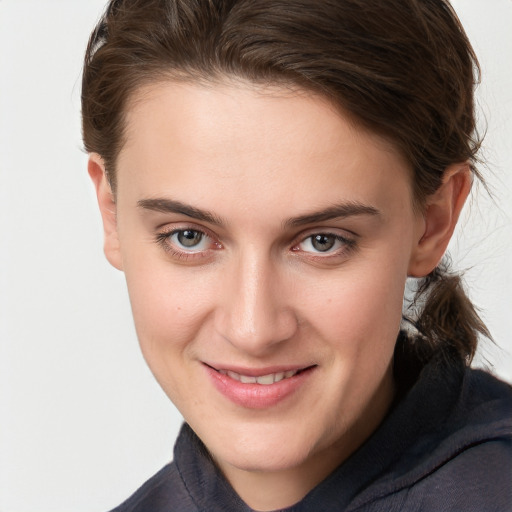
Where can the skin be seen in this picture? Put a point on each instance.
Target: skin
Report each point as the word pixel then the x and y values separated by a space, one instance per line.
pixel 255 292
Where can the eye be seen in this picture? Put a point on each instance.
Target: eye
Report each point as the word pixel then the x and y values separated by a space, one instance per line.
pixel 188 244
pixel 326 243
pixel 189 240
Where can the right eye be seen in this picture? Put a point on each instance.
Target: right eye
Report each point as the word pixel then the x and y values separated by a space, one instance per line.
pixel 188 240
pixel 187 243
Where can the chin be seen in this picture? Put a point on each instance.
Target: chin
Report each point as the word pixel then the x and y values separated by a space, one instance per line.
pixel 264 460
pixel 268 448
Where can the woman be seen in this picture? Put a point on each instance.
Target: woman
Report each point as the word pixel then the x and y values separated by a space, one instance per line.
pixel 269 175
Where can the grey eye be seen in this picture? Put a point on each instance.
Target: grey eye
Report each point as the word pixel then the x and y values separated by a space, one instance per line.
pixel 188 238
pixel 323 243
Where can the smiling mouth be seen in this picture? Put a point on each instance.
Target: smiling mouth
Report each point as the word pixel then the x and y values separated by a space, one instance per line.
pixel 264 380
pixel 260 388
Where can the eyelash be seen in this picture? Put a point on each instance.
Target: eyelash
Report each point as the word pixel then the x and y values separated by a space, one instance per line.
pixel 349 245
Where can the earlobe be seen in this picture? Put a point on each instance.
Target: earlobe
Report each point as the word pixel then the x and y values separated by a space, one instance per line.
pixel 441 214
pixel 107 205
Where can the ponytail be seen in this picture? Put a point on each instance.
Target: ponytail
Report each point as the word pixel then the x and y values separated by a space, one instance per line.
pixel 444 320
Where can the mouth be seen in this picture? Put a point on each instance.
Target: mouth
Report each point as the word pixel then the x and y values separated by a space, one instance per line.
pixel 264 380
pixel 259 388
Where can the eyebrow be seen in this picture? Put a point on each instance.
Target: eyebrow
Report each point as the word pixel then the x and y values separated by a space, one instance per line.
pixel 172 206
pixel 337 211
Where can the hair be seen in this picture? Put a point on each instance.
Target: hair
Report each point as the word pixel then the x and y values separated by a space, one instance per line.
pixel 403 69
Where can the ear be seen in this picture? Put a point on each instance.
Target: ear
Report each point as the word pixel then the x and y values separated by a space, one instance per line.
pixel 106 202
pixel 440 217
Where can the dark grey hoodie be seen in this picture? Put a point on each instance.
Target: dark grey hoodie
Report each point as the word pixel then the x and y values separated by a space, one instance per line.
pixel 445 446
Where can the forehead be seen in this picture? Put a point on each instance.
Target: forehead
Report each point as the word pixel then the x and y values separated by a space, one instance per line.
pixel 231 103
pixel 268 140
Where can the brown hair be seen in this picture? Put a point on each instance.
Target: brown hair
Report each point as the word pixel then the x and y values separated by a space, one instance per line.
pixel 402 68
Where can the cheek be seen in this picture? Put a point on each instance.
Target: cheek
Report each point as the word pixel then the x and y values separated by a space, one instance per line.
pixel 170 305
pixel 169 311
pixel 360 311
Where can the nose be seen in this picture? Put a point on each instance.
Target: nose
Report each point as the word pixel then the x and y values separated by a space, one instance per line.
pixel 256 312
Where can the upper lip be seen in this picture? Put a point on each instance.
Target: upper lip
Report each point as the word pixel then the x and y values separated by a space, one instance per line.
pixel 258 372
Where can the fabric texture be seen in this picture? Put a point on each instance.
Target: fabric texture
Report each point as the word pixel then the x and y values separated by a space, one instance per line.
pixel 446 445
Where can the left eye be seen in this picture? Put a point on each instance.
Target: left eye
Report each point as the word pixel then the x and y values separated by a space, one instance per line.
pixel 321 242
pixel 189 240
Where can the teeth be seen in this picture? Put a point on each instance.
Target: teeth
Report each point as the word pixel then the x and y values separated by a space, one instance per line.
pixel 278 376
pixel 234 375
pixel 264 380
pixel 244 379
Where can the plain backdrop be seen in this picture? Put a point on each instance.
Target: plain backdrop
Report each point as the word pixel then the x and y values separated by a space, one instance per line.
pixel 82 423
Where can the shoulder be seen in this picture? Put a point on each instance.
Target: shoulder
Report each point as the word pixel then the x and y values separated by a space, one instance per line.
pixel 164 492
pixel 484 408
pixel 478 478
pixel 457 448
pixel 486 385
pixel 471 467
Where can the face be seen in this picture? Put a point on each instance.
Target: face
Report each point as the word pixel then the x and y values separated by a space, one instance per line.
pixel 266 241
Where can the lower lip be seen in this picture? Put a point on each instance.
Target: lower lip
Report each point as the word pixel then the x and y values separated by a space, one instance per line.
pixel 257 396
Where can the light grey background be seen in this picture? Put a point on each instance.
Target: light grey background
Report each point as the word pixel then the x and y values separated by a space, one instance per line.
pixel 82 423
